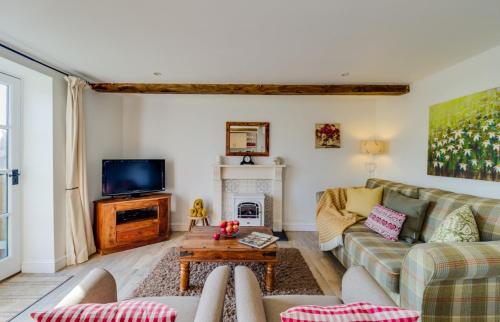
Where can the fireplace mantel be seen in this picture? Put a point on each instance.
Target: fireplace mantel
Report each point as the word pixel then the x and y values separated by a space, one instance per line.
pixel 272 172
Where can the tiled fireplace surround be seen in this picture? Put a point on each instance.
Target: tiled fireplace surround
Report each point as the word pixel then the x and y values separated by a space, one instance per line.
pixel 252 179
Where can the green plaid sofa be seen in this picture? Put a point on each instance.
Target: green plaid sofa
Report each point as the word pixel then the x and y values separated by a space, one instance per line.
pixel 445 282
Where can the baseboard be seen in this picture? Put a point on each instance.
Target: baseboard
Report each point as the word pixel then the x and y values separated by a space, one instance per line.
pixel 43 266
pixel 179 227
pixel 299 227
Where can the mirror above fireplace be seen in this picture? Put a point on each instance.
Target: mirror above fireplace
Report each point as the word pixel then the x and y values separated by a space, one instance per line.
pixel 247 138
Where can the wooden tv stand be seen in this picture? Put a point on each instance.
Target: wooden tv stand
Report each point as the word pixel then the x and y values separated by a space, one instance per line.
pixel 124 223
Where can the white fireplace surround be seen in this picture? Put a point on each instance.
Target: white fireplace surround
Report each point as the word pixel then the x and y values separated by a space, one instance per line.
pixel 272 172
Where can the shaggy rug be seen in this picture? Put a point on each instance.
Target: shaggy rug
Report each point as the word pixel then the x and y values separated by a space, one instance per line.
pixel 292 276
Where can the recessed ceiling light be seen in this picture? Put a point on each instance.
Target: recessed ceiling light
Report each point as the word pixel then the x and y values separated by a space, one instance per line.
pixel 344 74
pixel 157 73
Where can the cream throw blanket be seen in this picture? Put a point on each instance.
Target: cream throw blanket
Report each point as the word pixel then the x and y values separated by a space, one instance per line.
pixel 332 219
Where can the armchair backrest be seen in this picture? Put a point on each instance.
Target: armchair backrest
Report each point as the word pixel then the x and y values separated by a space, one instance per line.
pixel 98 286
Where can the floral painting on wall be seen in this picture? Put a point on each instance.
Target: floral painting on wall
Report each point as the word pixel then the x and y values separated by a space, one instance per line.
pixel 464 137
pixel 327 135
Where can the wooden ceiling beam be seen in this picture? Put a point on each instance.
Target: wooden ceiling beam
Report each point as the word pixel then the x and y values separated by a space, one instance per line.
pixel 252 89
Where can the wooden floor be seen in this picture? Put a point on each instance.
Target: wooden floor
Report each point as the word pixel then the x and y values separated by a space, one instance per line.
pixel 130 267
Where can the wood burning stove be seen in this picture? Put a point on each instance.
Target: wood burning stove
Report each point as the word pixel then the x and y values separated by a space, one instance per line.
pixel 249 209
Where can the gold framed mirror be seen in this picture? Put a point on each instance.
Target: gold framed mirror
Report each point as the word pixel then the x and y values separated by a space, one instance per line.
pixel 247 138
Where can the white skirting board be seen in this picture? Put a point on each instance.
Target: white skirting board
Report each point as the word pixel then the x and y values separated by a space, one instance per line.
pixel 299 227
pixel 43 266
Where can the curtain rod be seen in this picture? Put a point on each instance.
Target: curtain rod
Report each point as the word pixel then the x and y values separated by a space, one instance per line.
pixel 33 59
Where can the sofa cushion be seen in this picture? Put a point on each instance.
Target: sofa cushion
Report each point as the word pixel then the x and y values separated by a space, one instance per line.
pixel 458 227
pixel 404 189
pixel 358 311
pixel 340 252
pixel 274 305
pixel 382 258
pixel 185 306
pixel 386 222
pixel 358 228
pixel 125 311
pixel 414 209
pixel 441 203
pixel 362 200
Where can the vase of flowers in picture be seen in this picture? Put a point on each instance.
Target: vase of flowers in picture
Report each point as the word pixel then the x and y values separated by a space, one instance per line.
pixel 327 135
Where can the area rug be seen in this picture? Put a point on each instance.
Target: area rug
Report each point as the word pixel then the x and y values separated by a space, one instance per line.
pixel 292 277
pixel 20 292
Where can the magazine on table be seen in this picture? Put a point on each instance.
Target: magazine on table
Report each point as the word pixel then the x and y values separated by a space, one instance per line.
pixel 258 240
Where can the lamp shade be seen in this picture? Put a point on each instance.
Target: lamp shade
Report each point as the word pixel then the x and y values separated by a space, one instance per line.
pixel 372 146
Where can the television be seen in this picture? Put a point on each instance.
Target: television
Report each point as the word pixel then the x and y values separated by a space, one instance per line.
pixel 132 176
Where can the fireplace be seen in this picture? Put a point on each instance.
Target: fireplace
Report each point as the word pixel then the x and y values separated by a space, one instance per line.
pixel 232 179
pixel 249 209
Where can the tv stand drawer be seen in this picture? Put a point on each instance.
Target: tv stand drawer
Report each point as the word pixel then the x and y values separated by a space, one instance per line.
pixel 143 224
pixel 138 233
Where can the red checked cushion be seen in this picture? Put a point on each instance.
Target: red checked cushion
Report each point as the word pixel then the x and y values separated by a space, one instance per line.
pixel 126 311
pixel 348 312
pixel 386 222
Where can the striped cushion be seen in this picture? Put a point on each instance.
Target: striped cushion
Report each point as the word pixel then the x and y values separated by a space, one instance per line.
pixel 386 222
pixel 348 312
pixel 486 212
pixel 126 311
pixel 382 258
pixel 404 189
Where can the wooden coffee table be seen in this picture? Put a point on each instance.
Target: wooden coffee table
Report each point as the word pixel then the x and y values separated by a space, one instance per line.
pixel 198 246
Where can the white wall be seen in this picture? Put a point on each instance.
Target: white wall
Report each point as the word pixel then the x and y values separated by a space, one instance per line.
pixel 404 122
pixel 103 113
pixel 41 209
pixel 189 132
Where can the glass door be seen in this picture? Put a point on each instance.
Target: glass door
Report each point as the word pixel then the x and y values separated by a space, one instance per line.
pixel 10 221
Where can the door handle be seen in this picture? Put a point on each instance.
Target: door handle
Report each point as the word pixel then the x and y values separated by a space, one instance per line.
pixel 15 176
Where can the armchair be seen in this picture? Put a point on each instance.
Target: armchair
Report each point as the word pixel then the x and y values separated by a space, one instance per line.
pixel 445 280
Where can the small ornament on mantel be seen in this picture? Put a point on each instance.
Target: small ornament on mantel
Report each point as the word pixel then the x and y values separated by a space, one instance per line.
pixel 218 159
pixel 277 161
pixel 247 160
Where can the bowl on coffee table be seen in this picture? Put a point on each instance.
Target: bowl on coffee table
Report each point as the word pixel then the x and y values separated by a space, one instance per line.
pixel 229 228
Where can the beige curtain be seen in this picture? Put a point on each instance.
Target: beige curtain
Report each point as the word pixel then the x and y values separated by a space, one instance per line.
pixel 79 238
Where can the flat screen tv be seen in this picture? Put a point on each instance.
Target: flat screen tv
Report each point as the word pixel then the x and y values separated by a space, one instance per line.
pixel 132 176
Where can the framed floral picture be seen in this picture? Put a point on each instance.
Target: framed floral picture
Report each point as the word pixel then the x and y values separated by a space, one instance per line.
pixel 464 137
pixel 327 135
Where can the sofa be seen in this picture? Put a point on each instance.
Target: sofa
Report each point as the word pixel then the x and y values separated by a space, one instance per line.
pixel 444 281
pixel 251 306
pixel 99 286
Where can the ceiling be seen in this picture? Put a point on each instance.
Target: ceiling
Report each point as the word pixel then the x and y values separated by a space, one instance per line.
pixel 231 41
